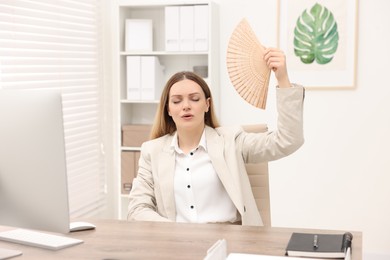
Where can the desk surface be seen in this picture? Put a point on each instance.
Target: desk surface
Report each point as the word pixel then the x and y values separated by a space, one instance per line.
pixel 114 239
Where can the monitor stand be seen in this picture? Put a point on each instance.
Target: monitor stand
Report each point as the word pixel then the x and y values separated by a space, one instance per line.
pixel 81 226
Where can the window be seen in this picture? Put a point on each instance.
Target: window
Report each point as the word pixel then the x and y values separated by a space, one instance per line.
pixel 57 44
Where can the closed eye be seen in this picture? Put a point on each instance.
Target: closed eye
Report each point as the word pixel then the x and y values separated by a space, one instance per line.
pixel 176 101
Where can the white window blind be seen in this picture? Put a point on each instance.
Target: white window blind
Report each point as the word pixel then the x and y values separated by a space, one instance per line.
pixel 57 44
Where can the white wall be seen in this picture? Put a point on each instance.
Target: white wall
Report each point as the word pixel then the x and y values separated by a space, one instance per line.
pixel 340 178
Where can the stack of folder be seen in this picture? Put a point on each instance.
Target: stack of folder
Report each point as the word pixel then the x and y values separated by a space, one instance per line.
pixel 144 78
pixel 186 28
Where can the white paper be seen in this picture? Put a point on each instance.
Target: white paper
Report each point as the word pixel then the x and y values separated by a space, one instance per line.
pixel 8 253
pixel 348 254
pixel 217 251
pixel 238 256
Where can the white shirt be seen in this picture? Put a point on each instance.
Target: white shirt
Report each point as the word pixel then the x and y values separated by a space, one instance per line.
pixel 199 194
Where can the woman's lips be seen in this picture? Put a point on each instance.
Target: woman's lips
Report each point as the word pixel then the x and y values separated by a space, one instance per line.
pixel 187 116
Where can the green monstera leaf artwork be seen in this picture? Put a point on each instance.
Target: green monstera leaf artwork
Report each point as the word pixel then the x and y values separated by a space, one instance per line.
pixel 316 36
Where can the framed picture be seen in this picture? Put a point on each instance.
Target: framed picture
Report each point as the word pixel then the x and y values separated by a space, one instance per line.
pixel 319 39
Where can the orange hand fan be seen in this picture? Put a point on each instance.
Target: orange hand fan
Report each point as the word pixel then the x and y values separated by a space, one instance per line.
pixel 247 69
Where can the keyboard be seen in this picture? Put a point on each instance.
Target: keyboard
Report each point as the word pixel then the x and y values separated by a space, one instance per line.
pixel 38 239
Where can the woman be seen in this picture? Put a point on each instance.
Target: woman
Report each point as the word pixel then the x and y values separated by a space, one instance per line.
pixel 193 170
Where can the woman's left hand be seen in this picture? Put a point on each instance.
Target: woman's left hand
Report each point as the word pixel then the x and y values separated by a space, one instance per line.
pixel 276 61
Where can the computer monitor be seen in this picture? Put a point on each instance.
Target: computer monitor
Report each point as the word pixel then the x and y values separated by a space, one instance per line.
pixel 33 176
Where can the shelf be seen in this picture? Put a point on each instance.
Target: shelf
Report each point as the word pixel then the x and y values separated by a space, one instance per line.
pixel 126 148
pixel 154 3
pixel 126 101
pixel 163 53
pixel 143 111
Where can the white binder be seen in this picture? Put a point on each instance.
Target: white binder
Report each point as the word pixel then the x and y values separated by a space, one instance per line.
pixel 151 78
pixel 133 77
pixel 201 27
pixel 186 28
pixel 172 28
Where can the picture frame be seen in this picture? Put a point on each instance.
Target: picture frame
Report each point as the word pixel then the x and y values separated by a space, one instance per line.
pixel 319 39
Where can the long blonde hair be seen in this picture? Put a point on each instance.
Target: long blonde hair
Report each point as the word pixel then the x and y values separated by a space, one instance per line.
pixel 163 123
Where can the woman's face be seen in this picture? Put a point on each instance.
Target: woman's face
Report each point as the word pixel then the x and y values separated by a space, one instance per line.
pixel 187 104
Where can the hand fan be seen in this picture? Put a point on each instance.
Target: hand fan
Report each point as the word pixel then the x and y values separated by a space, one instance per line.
pixel 247 69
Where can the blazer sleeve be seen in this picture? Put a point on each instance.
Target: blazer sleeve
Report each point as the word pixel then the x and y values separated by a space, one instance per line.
pixel 142 200
pixel 286 139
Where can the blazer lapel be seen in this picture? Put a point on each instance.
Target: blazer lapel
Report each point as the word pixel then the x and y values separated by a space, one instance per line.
pixel 215 148
pixel 166 173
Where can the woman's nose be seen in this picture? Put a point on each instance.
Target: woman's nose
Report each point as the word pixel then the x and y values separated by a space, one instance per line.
pixel 186 105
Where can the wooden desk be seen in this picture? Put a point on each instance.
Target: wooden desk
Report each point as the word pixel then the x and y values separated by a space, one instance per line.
pixel 115 239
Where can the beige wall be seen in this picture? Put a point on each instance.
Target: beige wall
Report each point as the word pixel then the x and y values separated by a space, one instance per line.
pixel 340 178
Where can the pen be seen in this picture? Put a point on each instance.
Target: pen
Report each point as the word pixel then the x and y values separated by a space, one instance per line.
pixel 315 241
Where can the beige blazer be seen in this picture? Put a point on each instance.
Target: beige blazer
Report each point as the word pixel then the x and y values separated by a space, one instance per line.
pixel 152 194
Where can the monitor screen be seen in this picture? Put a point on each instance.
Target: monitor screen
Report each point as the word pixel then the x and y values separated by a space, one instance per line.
pixel 33 180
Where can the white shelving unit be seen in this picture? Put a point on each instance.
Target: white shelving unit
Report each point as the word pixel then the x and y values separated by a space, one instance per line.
pixel 143 112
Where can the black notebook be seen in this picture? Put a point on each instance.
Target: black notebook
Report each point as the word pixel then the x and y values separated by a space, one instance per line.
pixel 319 245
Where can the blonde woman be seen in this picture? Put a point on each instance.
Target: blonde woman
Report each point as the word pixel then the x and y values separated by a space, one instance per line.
pixel 193 170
